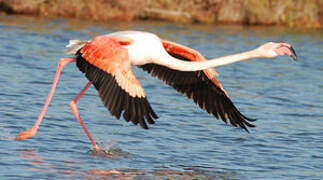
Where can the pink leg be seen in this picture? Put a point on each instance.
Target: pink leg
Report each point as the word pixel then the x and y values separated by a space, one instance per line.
pixel 32 131
pixel 78 117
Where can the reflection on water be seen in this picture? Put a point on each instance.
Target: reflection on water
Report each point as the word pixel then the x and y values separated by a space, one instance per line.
pixel 38 164
pixel 30 155
pixel 163 173
pixel 185 142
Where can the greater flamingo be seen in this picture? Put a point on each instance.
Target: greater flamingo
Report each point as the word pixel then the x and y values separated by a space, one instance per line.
pixel 107 60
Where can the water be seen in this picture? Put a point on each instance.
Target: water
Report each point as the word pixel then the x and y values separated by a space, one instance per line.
pixel 286 98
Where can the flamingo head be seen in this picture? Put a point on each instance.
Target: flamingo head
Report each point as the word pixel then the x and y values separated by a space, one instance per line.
pixel 273 49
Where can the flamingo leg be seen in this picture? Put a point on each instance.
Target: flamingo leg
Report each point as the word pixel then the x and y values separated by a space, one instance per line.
pixel 32 131
pixel 78 117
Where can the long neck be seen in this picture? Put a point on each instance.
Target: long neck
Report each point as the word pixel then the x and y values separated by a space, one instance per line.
pixel 177 64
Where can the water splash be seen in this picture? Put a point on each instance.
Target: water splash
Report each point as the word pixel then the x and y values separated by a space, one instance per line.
pixel 111 150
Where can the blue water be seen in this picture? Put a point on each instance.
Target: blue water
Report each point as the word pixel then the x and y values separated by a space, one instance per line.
pixel 186 143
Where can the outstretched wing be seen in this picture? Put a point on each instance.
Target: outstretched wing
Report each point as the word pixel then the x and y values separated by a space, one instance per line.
pixel 106 64
pixel 200 86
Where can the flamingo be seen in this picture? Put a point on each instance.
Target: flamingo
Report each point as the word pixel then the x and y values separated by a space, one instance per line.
pixel 106 61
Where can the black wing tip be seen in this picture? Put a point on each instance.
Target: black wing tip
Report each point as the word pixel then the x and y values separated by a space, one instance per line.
pixel 142 112
pixel 246 129
pixel 249 119
pixel 239 120
pixel 143 125
pixel 245 123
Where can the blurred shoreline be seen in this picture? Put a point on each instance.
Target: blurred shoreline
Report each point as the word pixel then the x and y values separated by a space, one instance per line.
pixel 290 13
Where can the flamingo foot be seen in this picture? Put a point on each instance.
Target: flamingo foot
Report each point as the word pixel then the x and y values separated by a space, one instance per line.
pixel 26 134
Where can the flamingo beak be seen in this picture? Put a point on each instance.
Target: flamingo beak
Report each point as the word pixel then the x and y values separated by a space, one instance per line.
pixel 293 53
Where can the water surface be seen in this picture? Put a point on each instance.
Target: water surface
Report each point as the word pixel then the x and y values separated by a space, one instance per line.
pixel 286 98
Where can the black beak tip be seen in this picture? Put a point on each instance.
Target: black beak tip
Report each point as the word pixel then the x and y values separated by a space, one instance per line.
pixel 293 55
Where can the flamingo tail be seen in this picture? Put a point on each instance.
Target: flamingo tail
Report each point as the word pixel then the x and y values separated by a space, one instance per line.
pixel 74 46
